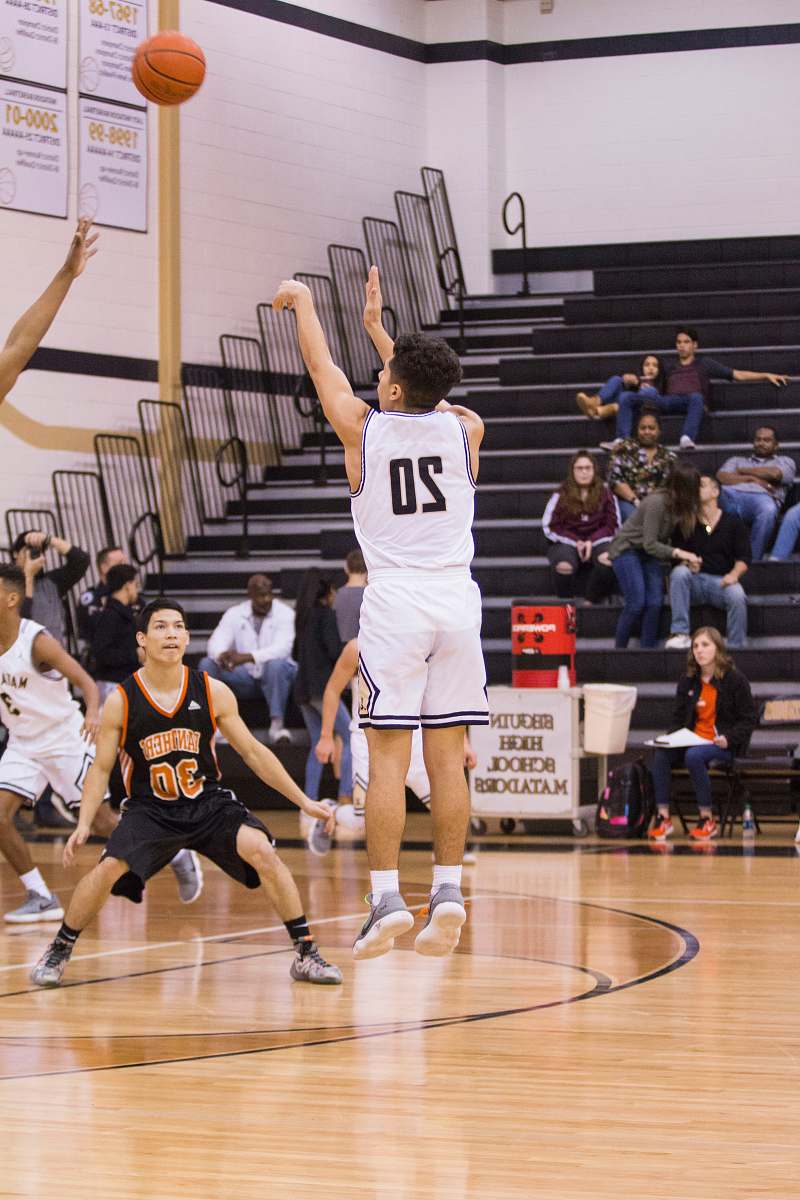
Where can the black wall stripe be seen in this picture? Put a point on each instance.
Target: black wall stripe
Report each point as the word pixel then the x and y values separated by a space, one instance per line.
pixel 81 362
pixel 678 41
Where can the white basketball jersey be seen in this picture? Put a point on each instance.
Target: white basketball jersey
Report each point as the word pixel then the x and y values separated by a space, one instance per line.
pixel 416 502
pixel 37 709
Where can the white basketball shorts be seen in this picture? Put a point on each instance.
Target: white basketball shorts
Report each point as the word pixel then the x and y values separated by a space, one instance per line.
pixel 416 779
pixel 420 660
pixel 65 771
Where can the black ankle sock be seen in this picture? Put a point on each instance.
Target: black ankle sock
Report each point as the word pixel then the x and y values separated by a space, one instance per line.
pixel 299 932
pixel 67 934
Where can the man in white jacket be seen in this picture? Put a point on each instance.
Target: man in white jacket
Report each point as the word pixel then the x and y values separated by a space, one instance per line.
pixel 251 651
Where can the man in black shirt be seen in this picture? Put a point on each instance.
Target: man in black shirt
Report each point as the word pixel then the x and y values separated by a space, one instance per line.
pixel 93 599
pixel 720 539
pixel 114 649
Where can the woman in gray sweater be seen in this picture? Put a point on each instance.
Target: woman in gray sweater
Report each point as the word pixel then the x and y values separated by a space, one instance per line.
pixel 641 550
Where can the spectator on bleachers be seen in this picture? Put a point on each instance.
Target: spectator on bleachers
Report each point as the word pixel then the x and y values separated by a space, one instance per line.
pixel 45 590
pixel 721 542
pixel 754 486
pixel 688 389
pixel 92 600
pixel 648 383
pixel 641 550
pixel 714 700
pixel 639 465
pixel 788 533
pixel 251 651
pixel 114 652
pixel 580 521
pixel 347 604
pixel 318 649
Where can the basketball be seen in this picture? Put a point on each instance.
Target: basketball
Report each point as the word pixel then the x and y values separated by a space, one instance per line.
pixel 168 68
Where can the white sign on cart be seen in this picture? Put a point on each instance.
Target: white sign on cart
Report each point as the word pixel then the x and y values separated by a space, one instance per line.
pixel 528 756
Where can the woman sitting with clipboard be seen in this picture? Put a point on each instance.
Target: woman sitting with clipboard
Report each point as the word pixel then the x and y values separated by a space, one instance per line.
pixel 713 703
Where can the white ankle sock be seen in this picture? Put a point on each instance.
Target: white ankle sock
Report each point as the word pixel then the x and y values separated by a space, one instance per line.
pixel 32 881
pixel 445 875
pixel 276 724
pixel 381 882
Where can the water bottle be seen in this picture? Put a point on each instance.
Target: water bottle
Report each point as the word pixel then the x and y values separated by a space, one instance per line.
pixel 748 823
pixel 563 678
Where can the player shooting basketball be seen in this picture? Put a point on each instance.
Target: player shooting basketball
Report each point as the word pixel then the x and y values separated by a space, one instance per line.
pixel 412 467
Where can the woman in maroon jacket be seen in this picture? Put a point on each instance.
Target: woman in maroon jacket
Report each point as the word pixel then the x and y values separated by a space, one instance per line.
pixel 580 520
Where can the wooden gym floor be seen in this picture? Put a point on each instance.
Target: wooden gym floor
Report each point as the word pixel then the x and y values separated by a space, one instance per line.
pixel 616 1023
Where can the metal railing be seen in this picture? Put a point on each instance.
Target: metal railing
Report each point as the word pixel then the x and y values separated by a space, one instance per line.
pixel 284 364
pixel 444 231
pixel 519 227
pixel 209 423
pixel 414 216
pixel 253 415
pixel 452 282
pixel 82 510
pixel 233 454
pixel 135 522
pixel 171 465
pixel 349 273
pixel 386 248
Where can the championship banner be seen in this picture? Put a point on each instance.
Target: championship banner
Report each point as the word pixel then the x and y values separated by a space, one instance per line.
pixel 112 165
pixel 33 41
pixel 33 149
pixel 110 31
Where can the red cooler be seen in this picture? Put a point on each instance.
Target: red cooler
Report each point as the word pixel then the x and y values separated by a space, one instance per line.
pixel 542 640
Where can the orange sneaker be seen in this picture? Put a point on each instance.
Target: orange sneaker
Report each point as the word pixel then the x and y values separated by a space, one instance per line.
pixel 661 828
pixel 705 830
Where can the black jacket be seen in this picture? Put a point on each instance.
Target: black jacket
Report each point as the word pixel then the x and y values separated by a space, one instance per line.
pixel 736 711
pixel 113 644
pixel 318 647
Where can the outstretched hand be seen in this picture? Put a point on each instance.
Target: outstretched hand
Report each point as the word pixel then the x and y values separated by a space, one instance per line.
pixel 288 293
pixel 373 307
pixel 82 248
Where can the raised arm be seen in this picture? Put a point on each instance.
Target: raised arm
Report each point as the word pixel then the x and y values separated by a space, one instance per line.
pixel 261 761
pixel 96 785
pixel 48 654
pixel 373 317
pixel 343 671
pixel 341 406
pixel 29 330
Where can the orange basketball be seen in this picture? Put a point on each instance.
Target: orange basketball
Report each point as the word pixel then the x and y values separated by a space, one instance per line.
pixel 168 68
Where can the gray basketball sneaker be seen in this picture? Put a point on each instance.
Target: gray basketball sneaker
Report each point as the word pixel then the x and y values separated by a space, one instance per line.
pixel 319 840
pixel 50 967
pixel 308 966
pixel 188 874
pixel 36 908
pixel 386 921
pixel 442 930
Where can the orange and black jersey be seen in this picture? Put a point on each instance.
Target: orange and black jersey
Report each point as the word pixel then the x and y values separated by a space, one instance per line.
pixel 169 756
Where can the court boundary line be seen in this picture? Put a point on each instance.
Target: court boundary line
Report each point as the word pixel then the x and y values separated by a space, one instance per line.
pixel 690 950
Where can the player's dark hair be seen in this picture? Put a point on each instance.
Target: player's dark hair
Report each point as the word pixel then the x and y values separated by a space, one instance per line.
pixel 119 575
pixel 103 554
pixel 689 331
pixel 314 587
pixel 12 578
pixel 158 605
pixel 355 563
pixel 425 367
